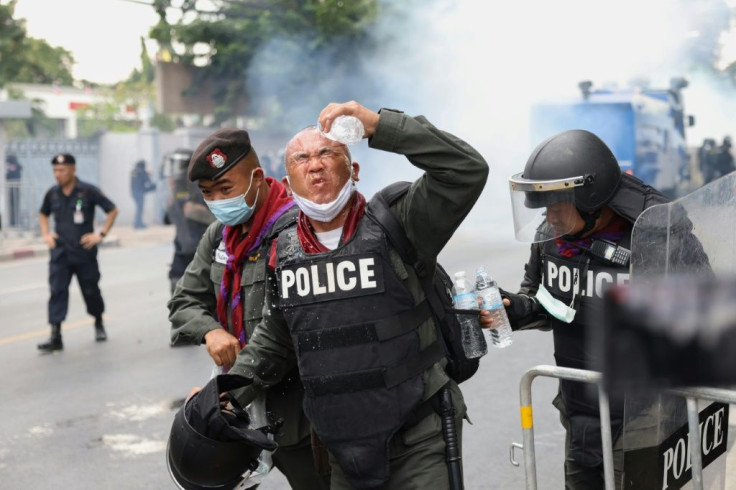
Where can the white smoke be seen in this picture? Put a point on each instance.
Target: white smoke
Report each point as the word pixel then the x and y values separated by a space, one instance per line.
pixel 474 68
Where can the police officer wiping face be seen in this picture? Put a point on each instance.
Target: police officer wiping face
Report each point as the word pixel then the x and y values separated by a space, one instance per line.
pixel 320 177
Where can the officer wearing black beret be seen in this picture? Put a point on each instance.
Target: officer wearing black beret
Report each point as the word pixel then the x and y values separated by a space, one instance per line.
pixel 221 297
pixel 73 245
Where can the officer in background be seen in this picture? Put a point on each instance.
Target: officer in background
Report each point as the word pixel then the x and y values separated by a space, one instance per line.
pixel 187 211
pixel 140 185
pixel 13 171
pixel 73 245
pixel 352 315
pixel 220 298
pixel 725 158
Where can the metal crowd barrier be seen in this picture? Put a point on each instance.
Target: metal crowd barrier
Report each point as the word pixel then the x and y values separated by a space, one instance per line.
pixel 691 396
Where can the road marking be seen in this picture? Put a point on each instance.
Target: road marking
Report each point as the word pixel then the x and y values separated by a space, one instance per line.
pixel 44 332
pixel 20 289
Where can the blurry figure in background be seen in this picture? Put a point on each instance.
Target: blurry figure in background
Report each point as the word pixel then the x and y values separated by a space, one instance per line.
pixel 73 245
pixel 274 164
pixel 187 211
pixel 706 159
pixel 725 163
pixel 577 208
pixel 12 178
pixel 715 161
pixel 140 185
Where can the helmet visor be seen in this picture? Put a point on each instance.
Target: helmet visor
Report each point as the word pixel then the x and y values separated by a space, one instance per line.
pixel 543 210
pixel 176 165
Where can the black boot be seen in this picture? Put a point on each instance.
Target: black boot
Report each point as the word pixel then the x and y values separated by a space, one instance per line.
pixel 100 335
pixel 54 341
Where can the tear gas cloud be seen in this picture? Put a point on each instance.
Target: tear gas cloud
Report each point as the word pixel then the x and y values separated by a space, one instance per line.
pixel 474 68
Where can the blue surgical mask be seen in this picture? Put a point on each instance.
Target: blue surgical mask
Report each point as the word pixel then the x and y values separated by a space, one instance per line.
pixel 235 210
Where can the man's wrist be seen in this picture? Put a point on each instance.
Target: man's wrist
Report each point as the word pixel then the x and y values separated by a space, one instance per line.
pixel 102 234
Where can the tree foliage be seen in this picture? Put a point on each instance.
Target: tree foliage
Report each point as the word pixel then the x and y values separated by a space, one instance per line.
pixel 226 40
pixel 24 59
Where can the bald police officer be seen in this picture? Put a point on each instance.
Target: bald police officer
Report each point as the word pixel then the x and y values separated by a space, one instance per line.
pixel 73 245
pixel 221 296
pixel 352 315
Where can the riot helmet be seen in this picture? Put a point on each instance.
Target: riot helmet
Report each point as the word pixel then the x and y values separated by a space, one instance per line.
pixel 571 172
pixel 209 448
pixel 176 162
pixel 174 170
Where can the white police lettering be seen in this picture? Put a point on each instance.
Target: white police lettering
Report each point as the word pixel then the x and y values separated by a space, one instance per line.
pixel 366 273
pixel 561 278
pixel 329 277
pixel 676 459
pixel 330 269
pixel 316 286
pixel 302 281
pixel 344 282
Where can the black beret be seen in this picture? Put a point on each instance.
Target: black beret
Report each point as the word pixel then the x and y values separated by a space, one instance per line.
pixel 218 153
pixel 63 158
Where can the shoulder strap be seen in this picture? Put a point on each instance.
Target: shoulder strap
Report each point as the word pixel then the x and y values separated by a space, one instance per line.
pixel 284 221
pixel 219 226
pixel 378 210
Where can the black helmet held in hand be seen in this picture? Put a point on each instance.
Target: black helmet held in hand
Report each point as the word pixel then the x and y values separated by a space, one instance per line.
pixel 574 154
pixel 210 449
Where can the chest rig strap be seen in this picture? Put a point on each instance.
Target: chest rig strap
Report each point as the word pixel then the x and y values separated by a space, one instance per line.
pixel 374 378
pixel 377 331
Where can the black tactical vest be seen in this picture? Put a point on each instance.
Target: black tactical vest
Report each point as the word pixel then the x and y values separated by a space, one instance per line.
pixel 586 278
pixel 354 327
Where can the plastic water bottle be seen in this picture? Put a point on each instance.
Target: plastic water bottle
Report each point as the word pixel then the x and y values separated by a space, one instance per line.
pixel 490 296
pixel 257 413
pixel 474 344
pixel 348 130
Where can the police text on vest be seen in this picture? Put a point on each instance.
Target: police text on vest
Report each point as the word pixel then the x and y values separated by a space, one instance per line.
pixel 341 275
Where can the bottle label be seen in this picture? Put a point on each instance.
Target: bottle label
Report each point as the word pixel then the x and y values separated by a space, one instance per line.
pixel 465 301
pixel 491 299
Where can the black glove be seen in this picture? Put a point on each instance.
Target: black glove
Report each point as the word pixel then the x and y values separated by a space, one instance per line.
pixel 522 306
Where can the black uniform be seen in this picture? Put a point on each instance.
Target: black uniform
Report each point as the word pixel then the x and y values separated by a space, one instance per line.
pixel 578 402
pixel 140 185
pixel 188 231
pixel 73 217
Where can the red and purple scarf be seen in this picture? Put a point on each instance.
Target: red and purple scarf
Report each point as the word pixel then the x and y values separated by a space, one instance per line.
pixel 613 232
pixel 238 248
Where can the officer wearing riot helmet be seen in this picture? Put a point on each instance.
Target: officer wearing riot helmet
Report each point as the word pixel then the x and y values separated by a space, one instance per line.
pixel 577 208
pixel 220 297
pixel 352 314
pixel 186 210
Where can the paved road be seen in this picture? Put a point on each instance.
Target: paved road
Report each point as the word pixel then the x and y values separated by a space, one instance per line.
pixel 97 416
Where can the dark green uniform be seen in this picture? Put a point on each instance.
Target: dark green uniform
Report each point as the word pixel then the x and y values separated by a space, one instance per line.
pixel 193 308
pixel 431 211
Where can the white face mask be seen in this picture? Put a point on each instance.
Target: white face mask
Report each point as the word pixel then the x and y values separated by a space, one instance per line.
pixel 554 307
pixel 324 212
